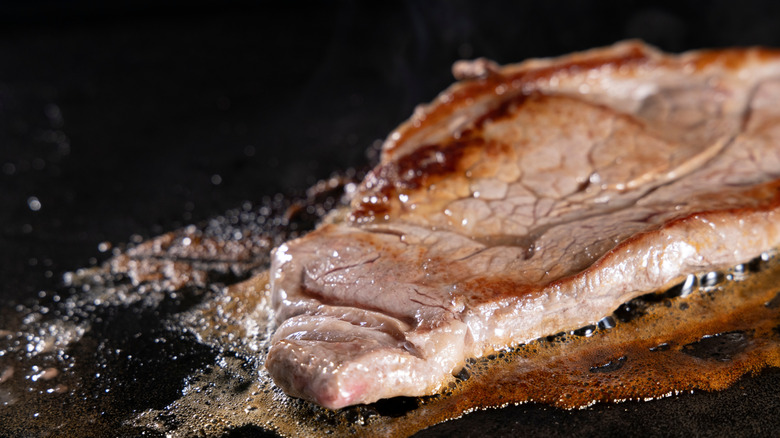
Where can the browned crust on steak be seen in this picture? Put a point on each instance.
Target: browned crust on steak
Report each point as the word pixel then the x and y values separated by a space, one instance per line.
pixel 533 80
pixel 624 59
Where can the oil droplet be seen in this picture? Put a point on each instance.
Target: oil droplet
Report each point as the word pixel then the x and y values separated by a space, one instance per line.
pixel 586 331
pixel 33 203
pixel 712 279
pixel 685 288
pixel 660 347
pixel 610 366
pixel 607 322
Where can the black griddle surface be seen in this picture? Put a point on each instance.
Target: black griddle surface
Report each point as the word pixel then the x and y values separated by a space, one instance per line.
pixel 125 121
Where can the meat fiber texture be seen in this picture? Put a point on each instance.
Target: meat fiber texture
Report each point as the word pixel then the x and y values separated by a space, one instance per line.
pixel 527 200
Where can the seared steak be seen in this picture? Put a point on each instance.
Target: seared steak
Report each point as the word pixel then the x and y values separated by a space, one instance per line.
pixel 524 201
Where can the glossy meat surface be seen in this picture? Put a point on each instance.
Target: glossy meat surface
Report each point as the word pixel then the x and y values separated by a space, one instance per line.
pixel 524 201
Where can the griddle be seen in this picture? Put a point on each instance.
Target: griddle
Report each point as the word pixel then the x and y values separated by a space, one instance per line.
pixel 124 121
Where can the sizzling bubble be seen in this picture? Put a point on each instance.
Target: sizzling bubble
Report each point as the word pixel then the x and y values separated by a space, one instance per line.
pixel 33 203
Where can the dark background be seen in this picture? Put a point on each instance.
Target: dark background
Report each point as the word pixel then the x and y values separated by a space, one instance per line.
pixel 122 119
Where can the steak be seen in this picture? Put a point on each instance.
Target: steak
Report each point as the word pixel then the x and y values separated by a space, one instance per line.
pixel 527 200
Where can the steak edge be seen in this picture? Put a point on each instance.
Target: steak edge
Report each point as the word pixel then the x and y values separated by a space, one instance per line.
pixel 527 200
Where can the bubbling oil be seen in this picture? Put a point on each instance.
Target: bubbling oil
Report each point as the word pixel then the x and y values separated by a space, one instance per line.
pixel 701 335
